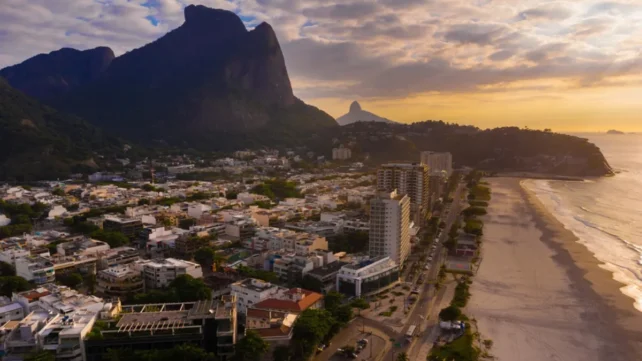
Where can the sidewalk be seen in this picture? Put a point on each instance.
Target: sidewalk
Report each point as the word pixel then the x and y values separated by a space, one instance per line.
pixel 429 330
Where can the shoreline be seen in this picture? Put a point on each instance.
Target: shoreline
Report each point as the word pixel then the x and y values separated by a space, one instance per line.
pixel 590 276
pixel 539 294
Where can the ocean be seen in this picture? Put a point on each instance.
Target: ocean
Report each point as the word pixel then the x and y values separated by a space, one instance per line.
pixel 606 213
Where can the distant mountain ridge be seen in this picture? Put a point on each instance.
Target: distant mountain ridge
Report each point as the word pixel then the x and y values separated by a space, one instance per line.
pixel 209 84
pixel 48 76
pixel 38 142
pixel 357 114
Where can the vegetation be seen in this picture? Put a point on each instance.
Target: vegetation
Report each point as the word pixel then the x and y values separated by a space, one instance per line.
pixel 250 348
pixel 402 356
pixel 479 193
pixel 450 313
pixel 474 226
pixel 281 353
pixel 185 352
pixel 21 217
pixel 7 269
pixel 38 142
pixel 461 349
pixel 277 189
pixel 259 274
pixel 208 257
pixel 311 328
pixel 184 288
pixel 71 280
pixel 113 239
pixel 40 356
pixel 11 284
pixel 474 211
pixel 462 293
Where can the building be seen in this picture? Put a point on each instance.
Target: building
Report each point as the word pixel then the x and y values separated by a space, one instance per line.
pixel 390 227
pixel 64 335
pixel 119 281
pixel 21 339
pixel 438 162
pixel 327 274
pixel 10 311
pixel 295 300
pixel 275 327
pixel 39 270
pixel 368 277
pixel 251 291
pixel 409 179
pixel 81 246
pixel 341 153
pixel 210 325
pixel 130 227
pixel 160 273
pixel 117 256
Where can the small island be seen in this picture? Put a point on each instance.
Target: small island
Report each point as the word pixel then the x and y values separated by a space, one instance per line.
pixel 613 131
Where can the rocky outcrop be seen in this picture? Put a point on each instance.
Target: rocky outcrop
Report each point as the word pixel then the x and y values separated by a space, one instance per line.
pixel 47 76
pixel 356 114
pixel 203 83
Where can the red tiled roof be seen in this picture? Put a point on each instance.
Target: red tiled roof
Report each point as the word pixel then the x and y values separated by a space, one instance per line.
pixel 309 299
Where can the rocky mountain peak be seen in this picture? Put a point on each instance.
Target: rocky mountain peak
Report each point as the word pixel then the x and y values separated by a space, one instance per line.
pixel 355 107
pixel 215 20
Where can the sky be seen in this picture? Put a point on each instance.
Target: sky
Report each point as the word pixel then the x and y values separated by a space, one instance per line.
pixel 566 65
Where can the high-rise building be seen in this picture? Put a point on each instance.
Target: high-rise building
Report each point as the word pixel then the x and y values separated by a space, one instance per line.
pixel 389 226
pixel 438 162
pixel 409 179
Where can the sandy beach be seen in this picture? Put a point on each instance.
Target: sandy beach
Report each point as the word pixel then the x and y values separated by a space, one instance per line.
pixel 540 295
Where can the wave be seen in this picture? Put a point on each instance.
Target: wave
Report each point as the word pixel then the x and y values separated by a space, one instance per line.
pixel 618 255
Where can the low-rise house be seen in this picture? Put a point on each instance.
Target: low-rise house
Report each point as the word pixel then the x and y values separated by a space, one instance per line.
pixel 250 291
pixel 160 273
pixel 39 270
pixel 82 246
pixel 295 300
pixel 119 281
pixel 274 327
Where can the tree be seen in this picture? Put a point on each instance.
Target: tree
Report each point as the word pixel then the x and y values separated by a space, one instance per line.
pixel 333 301
pixel 7 269
pixel 360 303
pixel 190 289
pixel 113 239
pixel 205 256
pixel 311 283
pixel 40 356
pixel 312 326
pixel 251 347
pixel 11 284
pixel 281 353
pixel 402 357
pixel 58 192
pixel 450 313
pixel 186 223
pixel 143 201
pixel 72 280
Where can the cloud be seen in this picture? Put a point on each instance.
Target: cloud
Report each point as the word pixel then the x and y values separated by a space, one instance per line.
pixel 546 12
pixel 370 48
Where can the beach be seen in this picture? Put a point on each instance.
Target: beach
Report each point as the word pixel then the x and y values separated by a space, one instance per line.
pixel 540 295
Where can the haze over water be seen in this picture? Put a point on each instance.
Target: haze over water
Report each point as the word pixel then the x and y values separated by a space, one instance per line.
pixel 606 213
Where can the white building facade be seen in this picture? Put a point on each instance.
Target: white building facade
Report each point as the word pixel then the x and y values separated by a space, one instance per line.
pixel 389 226
pixel 367 277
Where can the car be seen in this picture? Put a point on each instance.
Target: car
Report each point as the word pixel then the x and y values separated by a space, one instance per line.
pixel 363 341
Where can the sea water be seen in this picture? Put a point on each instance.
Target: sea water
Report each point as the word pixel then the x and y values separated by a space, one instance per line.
pixel 605 213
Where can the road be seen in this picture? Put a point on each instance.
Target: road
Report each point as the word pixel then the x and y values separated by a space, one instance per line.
pixel 420 315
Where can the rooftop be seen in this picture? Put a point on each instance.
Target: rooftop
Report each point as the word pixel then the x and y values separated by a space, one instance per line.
pixel 328 269
pixel 255 284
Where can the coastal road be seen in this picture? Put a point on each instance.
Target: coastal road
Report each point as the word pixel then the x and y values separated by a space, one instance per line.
pixel 424 313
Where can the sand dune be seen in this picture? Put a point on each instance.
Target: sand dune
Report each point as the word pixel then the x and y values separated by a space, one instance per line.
pixel 539 295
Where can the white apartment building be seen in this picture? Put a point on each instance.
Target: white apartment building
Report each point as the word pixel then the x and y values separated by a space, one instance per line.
pixel 438 162
pixel 10 311
pixel 196 210
pixel 341 153
pixel 160 273
pixel 367 277
pixel 10 255
pixel 389 226
pixel 82 247
pixel 250 291
pixel 38 269
pixel 409 179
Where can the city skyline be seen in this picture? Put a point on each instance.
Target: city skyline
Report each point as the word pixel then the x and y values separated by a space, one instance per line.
pixel 570 66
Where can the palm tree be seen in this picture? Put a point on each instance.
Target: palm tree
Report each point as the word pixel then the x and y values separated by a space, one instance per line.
pixel 402 357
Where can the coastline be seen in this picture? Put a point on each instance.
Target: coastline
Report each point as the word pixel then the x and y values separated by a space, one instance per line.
pixel 541 295
pixel 591 277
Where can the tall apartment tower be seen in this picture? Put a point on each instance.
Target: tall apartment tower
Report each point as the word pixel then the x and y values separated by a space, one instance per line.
pixel 389 226
pixel 408 179
pixel 438 162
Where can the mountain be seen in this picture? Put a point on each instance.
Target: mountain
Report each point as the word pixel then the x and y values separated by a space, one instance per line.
pixel 47 76
pixel 208 84
pixel 38 142
pixel 356 114
pixel 613 131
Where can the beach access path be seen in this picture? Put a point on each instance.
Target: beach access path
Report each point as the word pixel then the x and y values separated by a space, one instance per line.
pixel 532 299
